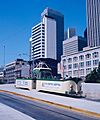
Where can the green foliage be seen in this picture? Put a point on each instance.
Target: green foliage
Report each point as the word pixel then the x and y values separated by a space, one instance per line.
pixel 98 71
pixel 94 76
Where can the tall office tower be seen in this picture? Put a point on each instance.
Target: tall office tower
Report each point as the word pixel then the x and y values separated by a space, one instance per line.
pixel 38 41
pixel 50 38
pixel 71 32
pixel 59 18
pixel 93 22
pixel 43 40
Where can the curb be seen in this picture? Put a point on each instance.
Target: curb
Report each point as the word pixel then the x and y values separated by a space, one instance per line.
pixel 86 112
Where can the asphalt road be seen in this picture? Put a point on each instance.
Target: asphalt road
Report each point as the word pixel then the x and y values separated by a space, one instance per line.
pixel 39 110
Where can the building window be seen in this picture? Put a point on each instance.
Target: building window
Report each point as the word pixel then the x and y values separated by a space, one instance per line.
pixel 64 74
pixel 75 72
pixel 88 63
pixel 88 70
pixel 75 65
pixel 81 64
pixel 88 56
pixel 69 60
pixel 95 62
pixel 75 59
pixel 64 67
pixel 69 73
pixel 95 54
pixel 81 57
pixel 70 66
pixel 81 71
pixel 64 61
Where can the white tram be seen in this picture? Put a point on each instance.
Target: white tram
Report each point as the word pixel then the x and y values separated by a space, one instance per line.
pixel 43 81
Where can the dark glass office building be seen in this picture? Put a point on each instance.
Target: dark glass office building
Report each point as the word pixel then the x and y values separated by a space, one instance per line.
pixel 59 18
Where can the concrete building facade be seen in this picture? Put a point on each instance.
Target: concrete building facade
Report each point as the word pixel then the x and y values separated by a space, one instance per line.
pixel 15 69
pixel 73 45
pixel 80 64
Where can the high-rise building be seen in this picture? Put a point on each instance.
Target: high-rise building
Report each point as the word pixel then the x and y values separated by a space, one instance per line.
pixel 38 41
pixel 69 33
pixel 59 19
pixel 47 36
pixel 93 22
pixel 43 41
pixel 73 45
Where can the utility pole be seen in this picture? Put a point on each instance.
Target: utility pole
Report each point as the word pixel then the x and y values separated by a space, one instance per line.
pixel 4 56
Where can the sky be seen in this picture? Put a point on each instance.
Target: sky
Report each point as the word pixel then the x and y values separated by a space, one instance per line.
pixel 17 17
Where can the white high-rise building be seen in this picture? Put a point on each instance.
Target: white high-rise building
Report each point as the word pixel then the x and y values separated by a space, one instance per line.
pixel 43 40
pixel 47 36
pixel 38 41
pixel 50 37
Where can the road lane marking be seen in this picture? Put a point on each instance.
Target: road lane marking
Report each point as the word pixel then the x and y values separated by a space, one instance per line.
pixel 86 112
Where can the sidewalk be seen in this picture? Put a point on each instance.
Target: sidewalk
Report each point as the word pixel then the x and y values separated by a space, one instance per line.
pixel 80 104
pixel 8 113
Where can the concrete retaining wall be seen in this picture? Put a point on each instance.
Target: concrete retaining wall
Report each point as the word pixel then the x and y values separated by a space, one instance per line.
pixel 91 90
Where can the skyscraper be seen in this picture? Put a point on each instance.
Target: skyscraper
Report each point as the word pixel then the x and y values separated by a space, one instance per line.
pixel 93 22
pixel 37 41
pixel 69 33
pixel 43 40
pixel 59 18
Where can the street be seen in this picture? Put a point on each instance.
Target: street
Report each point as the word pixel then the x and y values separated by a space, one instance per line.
pixel 39 110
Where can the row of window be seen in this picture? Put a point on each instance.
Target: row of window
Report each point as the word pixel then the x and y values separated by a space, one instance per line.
pixel 79 72
pixel 81 64
pixel 38 27
pixel 39 56
pixel 81 57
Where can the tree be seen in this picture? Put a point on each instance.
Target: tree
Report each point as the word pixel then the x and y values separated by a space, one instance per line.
pixel 98 71
pixel 94 76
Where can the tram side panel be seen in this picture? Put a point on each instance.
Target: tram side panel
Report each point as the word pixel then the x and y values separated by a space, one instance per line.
pixel 63 87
